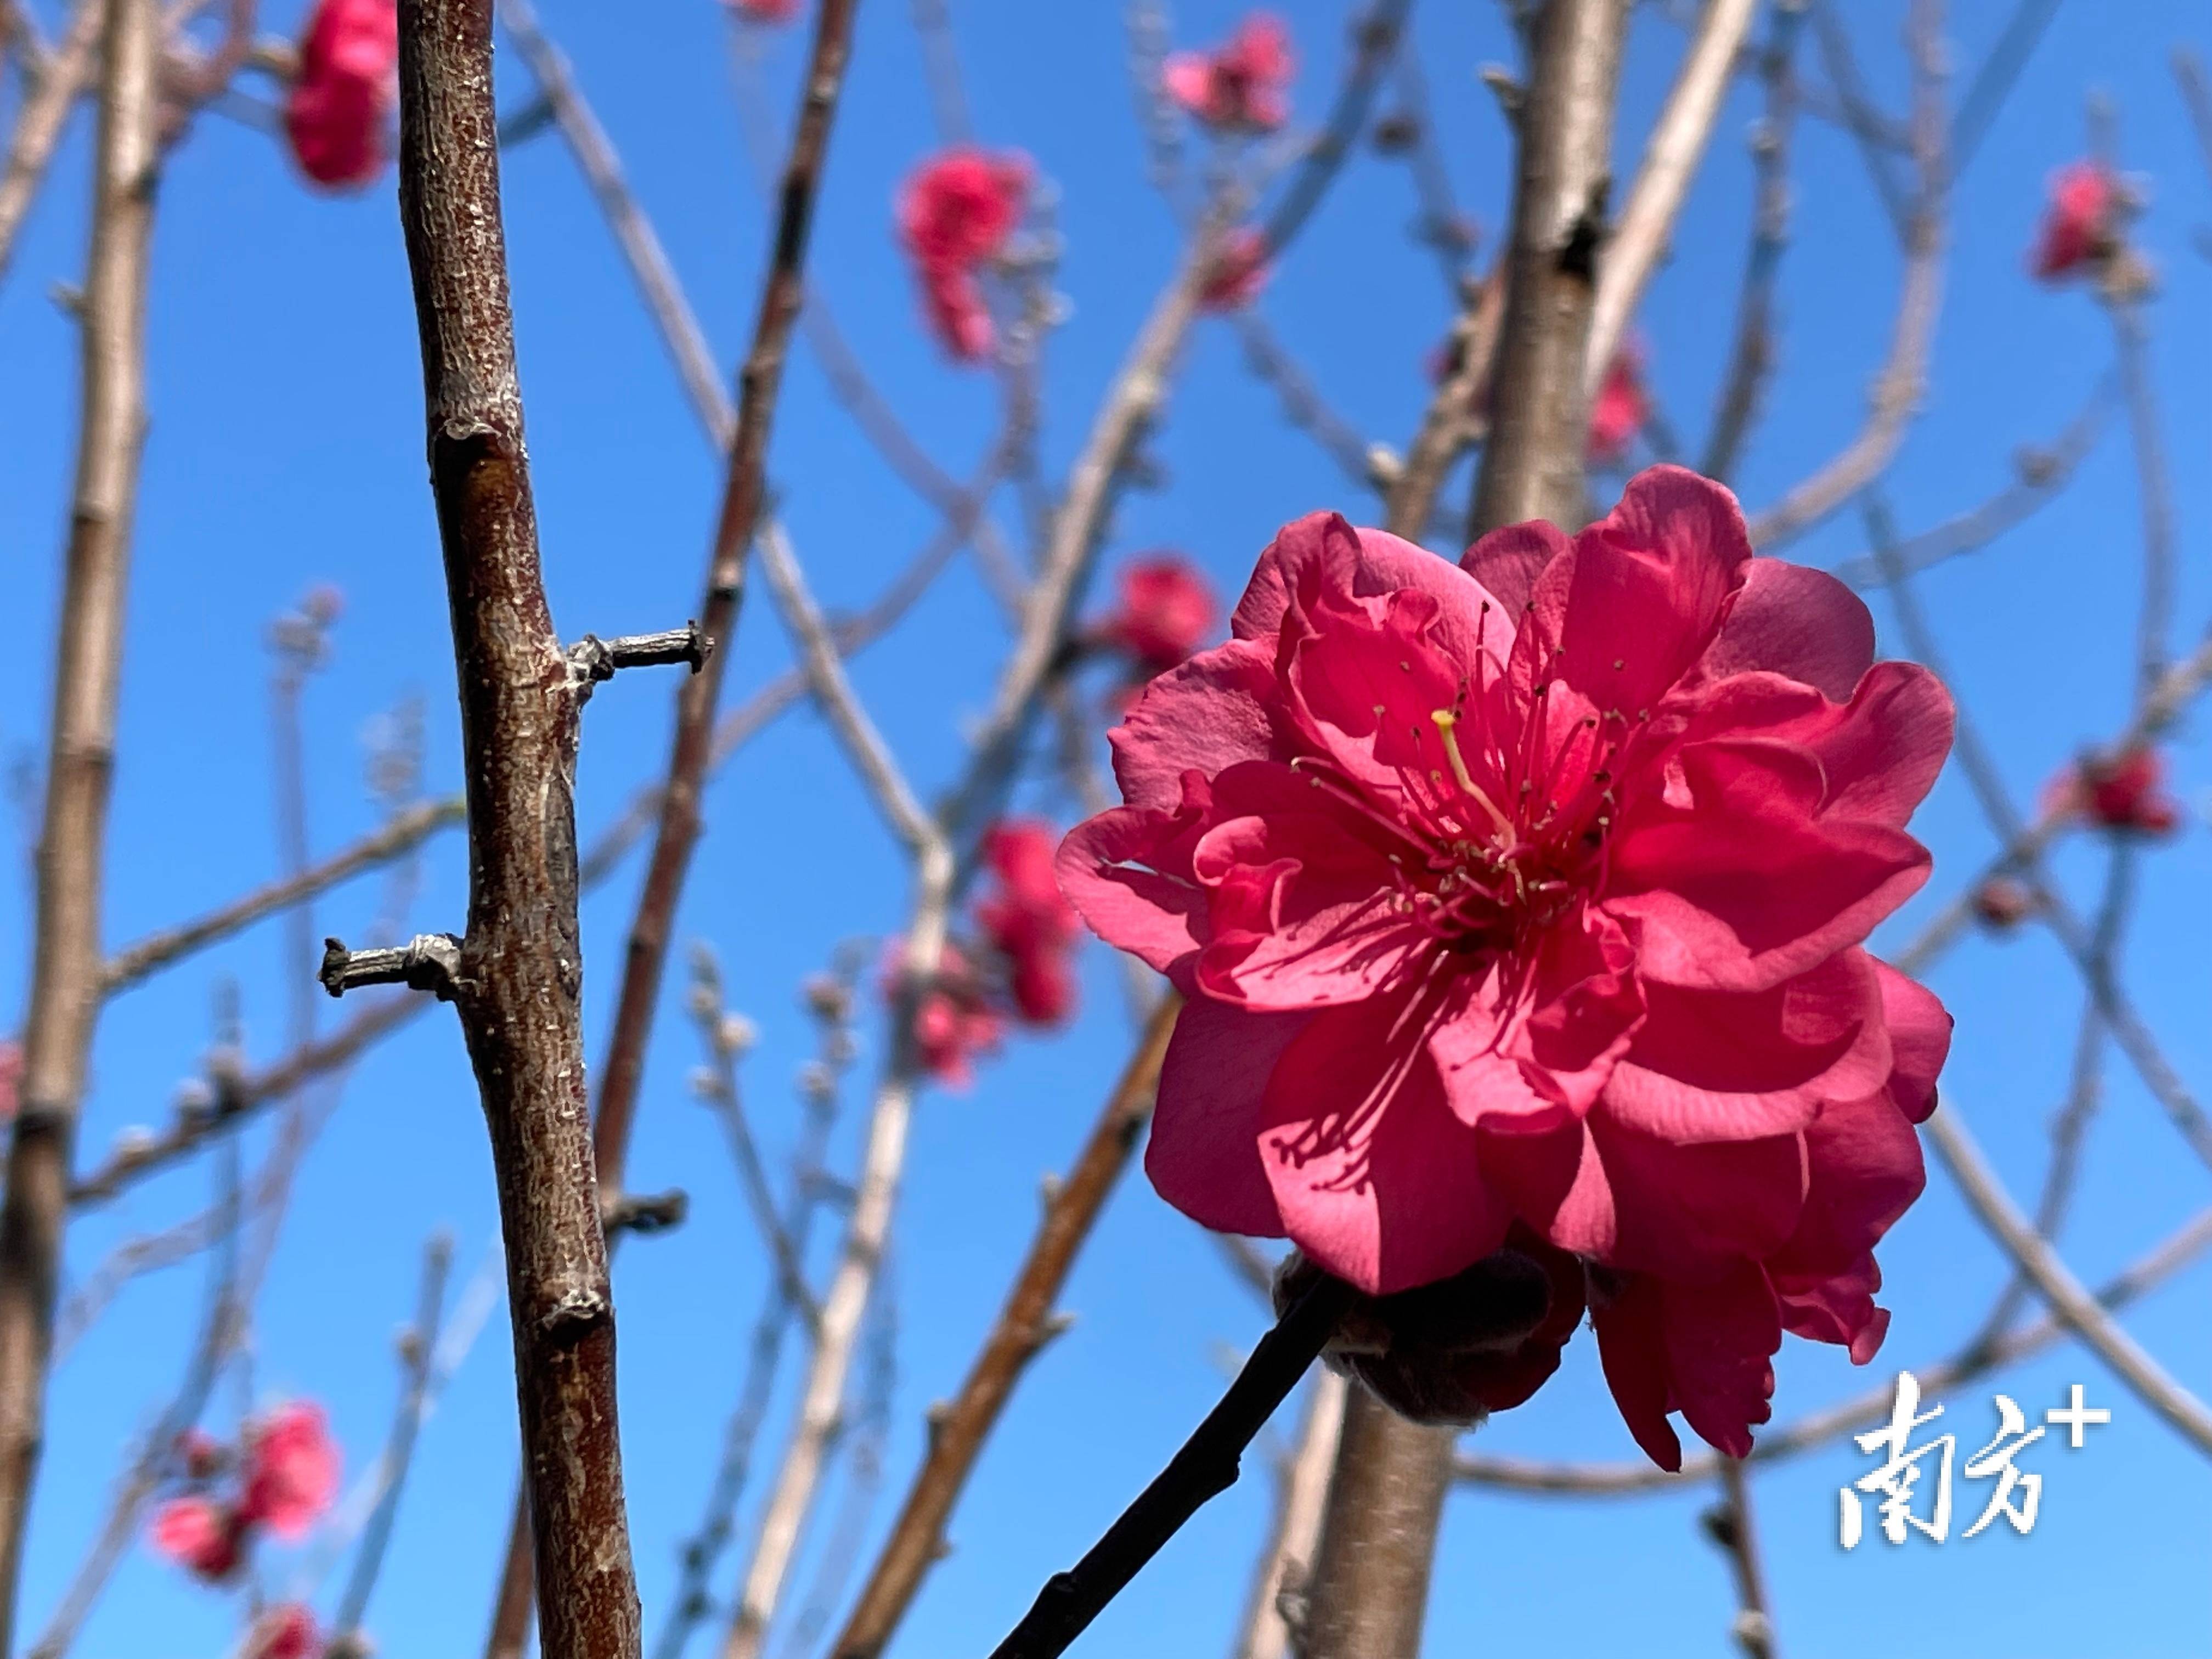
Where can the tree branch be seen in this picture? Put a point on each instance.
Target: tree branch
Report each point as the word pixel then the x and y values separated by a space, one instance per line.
pixel 517 978
pixel 39 119
pixel 1275 1617
pixel 66 969
pixel 2073 1304
pixel 1670 161
pixel 959 1428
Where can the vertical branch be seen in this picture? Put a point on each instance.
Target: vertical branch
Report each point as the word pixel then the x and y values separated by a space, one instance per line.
pixel 1276 1614
pixel 2133 342
pixel 1378 1535
pixel 1369 1581
pixel 518 978
pixel 66 967
pixel 676 832
pixel 1532 465
pixel 1670 161
pixel 1729 1524
pixel 417 1351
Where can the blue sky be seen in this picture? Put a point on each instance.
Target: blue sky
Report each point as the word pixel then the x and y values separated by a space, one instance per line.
pixel 285 451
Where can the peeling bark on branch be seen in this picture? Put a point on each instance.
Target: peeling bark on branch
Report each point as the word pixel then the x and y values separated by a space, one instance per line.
pixel 517 977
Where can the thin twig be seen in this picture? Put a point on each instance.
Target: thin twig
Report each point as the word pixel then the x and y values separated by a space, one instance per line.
pixel 831 1001
pixel 596 160
pixel 66 965
pixel 202 1113
pixel 839 703
pixel 417 1345
pixel 39 119
pixel 1205 1466
pixel 2154 493
pixel 718 1086
pixel 959 1428
pixel 1671 156
pixel 400 836
pixel 2042 472
pixel 1751 358
pixel 1377 36
pixel 1730 1525
pixel 2056 1284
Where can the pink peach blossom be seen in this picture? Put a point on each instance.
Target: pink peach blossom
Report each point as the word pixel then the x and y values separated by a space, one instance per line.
pixel 1032 926
pixel 286 1630
pixel 768 11
pixel 1243 85
pixel 290 1473
pixel 342 97
pixel 1167 611
pixel 1240 272
pixel 201 1536
pixel 1620 408
pixel 1531 891
pixel 2079 224
pixel 2126 792
pixel 954 214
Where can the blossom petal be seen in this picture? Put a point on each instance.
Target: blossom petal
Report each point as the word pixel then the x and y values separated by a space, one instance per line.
pixel 1791 619
pixel 1367 564
pixel 1631 1346
pixel 1508 561
pixel 1205 714
pixel 1711 1064
pixel 1721 1339
pixel 1204 1156
pixel 1919 1037
pixel 1636 601
pixel 1746 887
pixel 1687 1211
pixel 1375 1179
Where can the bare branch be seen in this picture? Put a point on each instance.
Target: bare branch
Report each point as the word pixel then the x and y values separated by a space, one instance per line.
pixel 959 1428
pixel 1670 161
pixel 406 831
pixel 839 703
pixel 66 969
pixel 39 119
pixel 518 981
pixel 416 1347
pixel 1730 1525
pixel 1751 358
pixel 595 659
pixel 229 1097
pixel 2056 1285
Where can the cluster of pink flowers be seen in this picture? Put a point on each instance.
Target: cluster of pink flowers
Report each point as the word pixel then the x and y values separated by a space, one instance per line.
pixel 1242 85
pixel 2124 791
pixel 2081 223
pixel 1621 408
pixel 287 1475
pixel 1519 906
pixel 1021 968
pixel 955 215
pixel 342 95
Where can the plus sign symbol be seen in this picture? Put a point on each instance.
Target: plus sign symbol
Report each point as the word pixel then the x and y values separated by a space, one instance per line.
pixel 2074 1417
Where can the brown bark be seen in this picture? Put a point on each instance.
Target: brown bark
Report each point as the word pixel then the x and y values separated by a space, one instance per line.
pixel 1369 1588
pixel 518 980
pixel 66 964
pixel 1370 1582
pixel 677 833
pixel 958 1430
